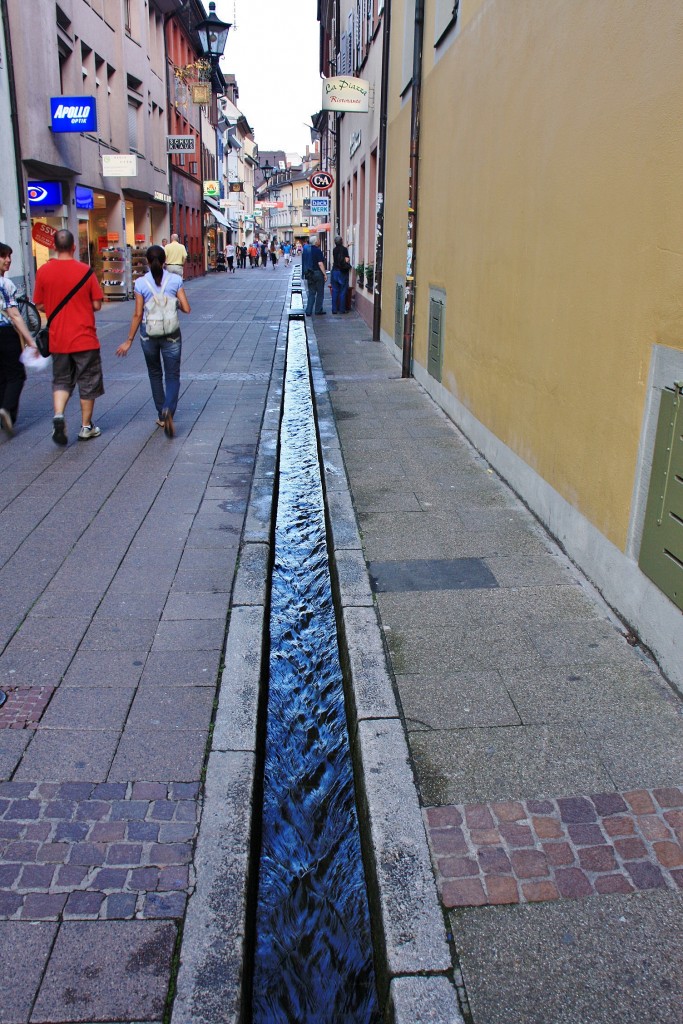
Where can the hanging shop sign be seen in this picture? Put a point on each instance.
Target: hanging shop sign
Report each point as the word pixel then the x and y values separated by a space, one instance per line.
pixel 354 143
pixel 85 198
pixel 201 93
pixel 320 206
pixel 181 144
pixel 120 165
pixel 343 93
pixel 321 181
pixel 44 193
pixel 212 190
pixel 44 234
pixel 236 186
pixel 73 114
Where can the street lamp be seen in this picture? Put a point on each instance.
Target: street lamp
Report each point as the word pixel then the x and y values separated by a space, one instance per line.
pixel 213 35
pixel 267 170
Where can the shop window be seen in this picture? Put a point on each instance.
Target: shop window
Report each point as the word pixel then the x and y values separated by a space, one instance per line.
pixel 127 16
pixel 133 117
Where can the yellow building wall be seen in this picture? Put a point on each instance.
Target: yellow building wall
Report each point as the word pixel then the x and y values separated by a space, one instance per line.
pixel 551 213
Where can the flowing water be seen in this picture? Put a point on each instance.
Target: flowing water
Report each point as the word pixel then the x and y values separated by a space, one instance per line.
pixel 313 952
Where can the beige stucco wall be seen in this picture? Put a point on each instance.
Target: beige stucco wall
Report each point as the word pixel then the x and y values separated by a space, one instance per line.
pixel 551 213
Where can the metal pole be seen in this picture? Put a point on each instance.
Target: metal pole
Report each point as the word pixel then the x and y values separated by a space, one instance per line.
pixel 411 247
pixel 381 173
pixel 18 167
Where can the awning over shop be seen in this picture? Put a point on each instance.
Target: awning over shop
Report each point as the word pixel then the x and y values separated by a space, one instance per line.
pixel 219 216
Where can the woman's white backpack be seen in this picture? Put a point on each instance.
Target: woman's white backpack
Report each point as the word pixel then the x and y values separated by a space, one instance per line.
pixel 161 312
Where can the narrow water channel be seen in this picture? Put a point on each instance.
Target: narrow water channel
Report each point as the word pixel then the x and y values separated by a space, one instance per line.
pixel 313 951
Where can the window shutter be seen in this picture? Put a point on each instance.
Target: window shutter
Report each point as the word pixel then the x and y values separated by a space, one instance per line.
pixel 435 352
pixel 132 127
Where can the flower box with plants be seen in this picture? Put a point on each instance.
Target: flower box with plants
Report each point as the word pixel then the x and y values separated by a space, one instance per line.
pixel 360 274
pixel 369 276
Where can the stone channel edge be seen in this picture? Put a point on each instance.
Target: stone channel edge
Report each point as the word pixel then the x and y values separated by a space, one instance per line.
pixel 411 949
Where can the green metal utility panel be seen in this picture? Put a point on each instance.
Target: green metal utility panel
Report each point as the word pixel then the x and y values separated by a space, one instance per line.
pixel 661 550
pixel 398 315
pixel 435 349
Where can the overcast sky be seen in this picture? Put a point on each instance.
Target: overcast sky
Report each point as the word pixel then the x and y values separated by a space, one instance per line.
pixel 273 53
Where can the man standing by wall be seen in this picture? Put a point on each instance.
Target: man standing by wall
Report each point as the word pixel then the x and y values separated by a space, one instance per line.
pixel 313 270
pixel 341 265
pixel 74 345
pixel 176 256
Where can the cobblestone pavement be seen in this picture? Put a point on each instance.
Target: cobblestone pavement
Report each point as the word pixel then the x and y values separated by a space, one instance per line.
pixel 547 749
pixel 116 568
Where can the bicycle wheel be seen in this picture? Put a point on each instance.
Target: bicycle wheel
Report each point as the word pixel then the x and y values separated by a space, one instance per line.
pixel 30 314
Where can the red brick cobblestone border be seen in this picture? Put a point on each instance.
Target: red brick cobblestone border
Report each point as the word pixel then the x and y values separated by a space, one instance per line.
pixel 83 850
pixel 524 851
pixel 24 706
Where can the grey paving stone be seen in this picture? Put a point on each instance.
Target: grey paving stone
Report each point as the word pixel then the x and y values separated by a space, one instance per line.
pixel 601 959
pixel 213 581
pixel 639 750
pixel 156 755
pixel 181 668
pixel 199 605
pixel 189 634
pixel 458 700
pixel 258 519
pixel 580 693
pixel 119 634
pixel 212 955
pixel 352 578
pixel 250 581
pixel 534 571
pixel 236 716
pixel 578 643
pixel 430 574
pixel 87 708
pixel 34 668
pixel 469 765
pixel 12 745
pixel 36 629
pixel 56 755
pixel 171 707
pixel 445 649
pixel 123 975
pixel 371 687
pixel 417 1000
pixel 115 668
pixel 24 951
pixel 401 885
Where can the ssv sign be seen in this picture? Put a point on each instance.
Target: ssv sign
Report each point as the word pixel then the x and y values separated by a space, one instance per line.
pixel 321 181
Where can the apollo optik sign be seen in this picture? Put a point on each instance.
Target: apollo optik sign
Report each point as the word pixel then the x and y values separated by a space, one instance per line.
pixel 73 114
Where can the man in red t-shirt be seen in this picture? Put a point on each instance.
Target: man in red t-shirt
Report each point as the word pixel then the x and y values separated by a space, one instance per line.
pixel 74 345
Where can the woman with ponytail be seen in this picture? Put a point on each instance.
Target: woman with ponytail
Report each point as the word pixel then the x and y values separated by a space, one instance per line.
pixel 157 296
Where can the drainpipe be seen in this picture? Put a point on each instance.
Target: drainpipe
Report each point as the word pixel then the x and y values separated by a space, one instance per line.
pixel 381 173
pixel 411 248
pixel 18 168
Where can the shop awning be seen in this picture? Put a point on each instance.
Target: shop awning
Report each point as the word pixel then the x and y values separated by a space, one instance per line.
pixel 219 216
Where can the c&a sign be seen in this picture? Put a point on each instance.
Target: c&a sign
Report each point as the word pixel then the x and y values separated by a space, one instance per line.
pixel 73 114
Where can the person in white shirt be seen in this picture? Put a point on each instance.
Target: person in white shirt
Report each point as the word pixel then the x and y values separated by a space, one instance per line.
pixel 230 256
pixel 161 352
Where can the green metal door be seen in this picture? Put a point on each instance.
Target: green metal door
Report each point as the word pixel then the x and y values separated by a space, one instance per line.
pixel 661 551
pixel 435 350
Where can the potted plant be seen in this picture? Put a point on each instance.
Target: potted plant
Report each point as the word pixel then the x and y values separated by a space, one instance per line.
pixel 369 276
pixel 360 274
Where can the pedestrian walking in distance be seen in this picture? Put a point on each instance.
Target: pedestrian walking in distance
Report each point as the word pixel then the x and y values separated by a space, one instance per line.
pixel 74 345
pixel 176 256
pixel 230 256
pixel 14 337
pixel 158 296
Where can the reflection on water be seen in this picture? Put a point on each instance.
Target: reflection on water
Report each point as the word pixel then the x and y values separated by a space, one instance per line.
pixel 313 957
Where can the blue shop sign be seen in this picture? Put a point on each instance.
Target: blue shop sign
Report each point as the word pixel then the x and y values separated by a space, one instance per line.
pixel 73 113
pixel 44 193
pixel 85 198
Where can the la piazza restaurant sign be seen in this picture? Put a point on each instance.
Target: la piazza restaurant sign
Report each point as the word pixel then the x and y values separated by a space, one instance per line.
pixel 342 93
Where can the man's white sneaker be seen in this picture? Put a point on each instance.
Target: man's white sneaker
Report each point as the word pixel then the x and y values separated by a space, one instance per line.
pixel 87 431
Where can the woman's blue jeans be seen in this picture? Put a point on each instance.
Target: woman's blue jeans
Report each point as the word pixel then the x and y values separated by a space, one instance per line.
pixel 340 286
pixel 162 356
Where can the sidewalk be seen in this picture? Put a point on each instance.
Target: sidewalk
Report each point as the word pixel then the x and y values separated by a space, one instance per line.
pixel 117 562
pixel 547 751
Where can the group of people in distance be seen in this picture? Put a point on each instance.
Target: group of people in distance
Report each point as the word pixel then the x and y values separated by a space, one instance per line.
pixel 69 294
